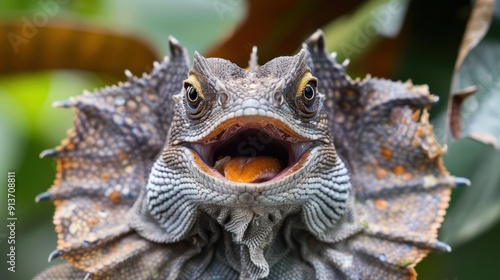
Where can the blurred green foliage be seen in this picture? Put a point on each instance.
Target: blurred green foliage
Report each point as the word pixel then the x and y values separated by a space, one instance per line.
pixel 29 125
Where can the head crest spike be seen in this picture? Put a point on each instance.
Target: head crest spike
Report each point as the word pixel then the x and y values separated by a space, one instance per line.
pixel 253 63
pixel 176 49
pixel 316 42
pixel 300 61
pixel 200 63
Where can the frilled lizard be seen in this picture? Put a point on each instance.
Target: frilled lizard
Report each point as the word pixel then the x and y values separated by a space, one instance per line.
pixel 289 170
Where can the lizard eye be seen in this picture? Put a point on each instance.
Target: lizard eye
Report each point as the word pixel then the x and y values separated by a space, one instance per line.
pixel 307 100
pixel 192 96
pixel 194 101
pixel 309 93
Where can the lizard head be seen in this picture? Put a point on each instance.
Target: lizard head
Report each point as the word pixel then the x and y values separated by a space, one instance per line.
pixel 247 143
pixel 255 127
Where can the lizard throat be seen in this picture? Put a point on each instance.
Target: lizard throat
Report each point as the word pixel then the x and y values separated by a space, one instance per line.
pixel 251 153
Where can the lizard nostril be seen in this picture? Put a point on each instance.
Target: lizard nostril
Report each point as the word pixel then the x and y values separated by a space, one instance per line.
pixel 227 220
pixel 270 217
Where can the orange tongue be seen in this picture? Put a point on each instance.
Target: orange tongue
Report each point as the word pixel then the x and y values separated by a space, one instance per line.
pixel 248 169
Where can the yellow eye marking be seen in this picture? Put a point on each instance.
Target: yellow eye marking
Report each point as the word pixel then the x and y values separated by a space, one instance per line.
pixel 193 80
pixel 306 78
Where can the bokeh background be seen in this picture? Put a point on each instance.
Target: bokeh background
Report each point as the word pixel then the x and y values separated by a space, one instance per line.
pixel 416 40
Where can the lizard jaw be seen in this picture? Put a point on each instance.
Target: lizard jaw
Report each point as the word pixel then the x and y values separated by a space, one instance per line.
pixel 251 152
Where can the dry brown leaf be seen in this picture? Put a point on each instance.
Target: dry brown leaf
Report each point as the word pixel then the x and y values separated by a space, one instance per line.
pixel 477 26
pixel 66 45
pixel 456 103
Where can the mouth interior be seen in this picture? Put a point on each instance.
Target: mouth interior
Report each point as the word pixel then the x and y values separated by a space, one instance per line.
pixel 252 143
pixel 251 154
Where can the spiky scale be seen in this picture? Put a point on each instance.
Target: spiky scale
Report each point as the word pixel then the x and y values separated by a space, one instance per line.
pixel 442 246
pixel 129 75
pixel 49 153
pixel 62 104
pixel 54 255
pixel 461 182
pixel 45 196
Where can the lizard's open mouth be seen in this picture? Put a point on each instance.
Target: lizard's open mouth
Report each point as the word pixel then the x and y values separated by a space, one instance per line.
pixel 251 152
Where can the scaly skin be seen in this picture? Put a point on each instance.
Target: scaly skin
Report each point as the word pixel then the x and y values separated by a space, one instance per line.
pixel 362 195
